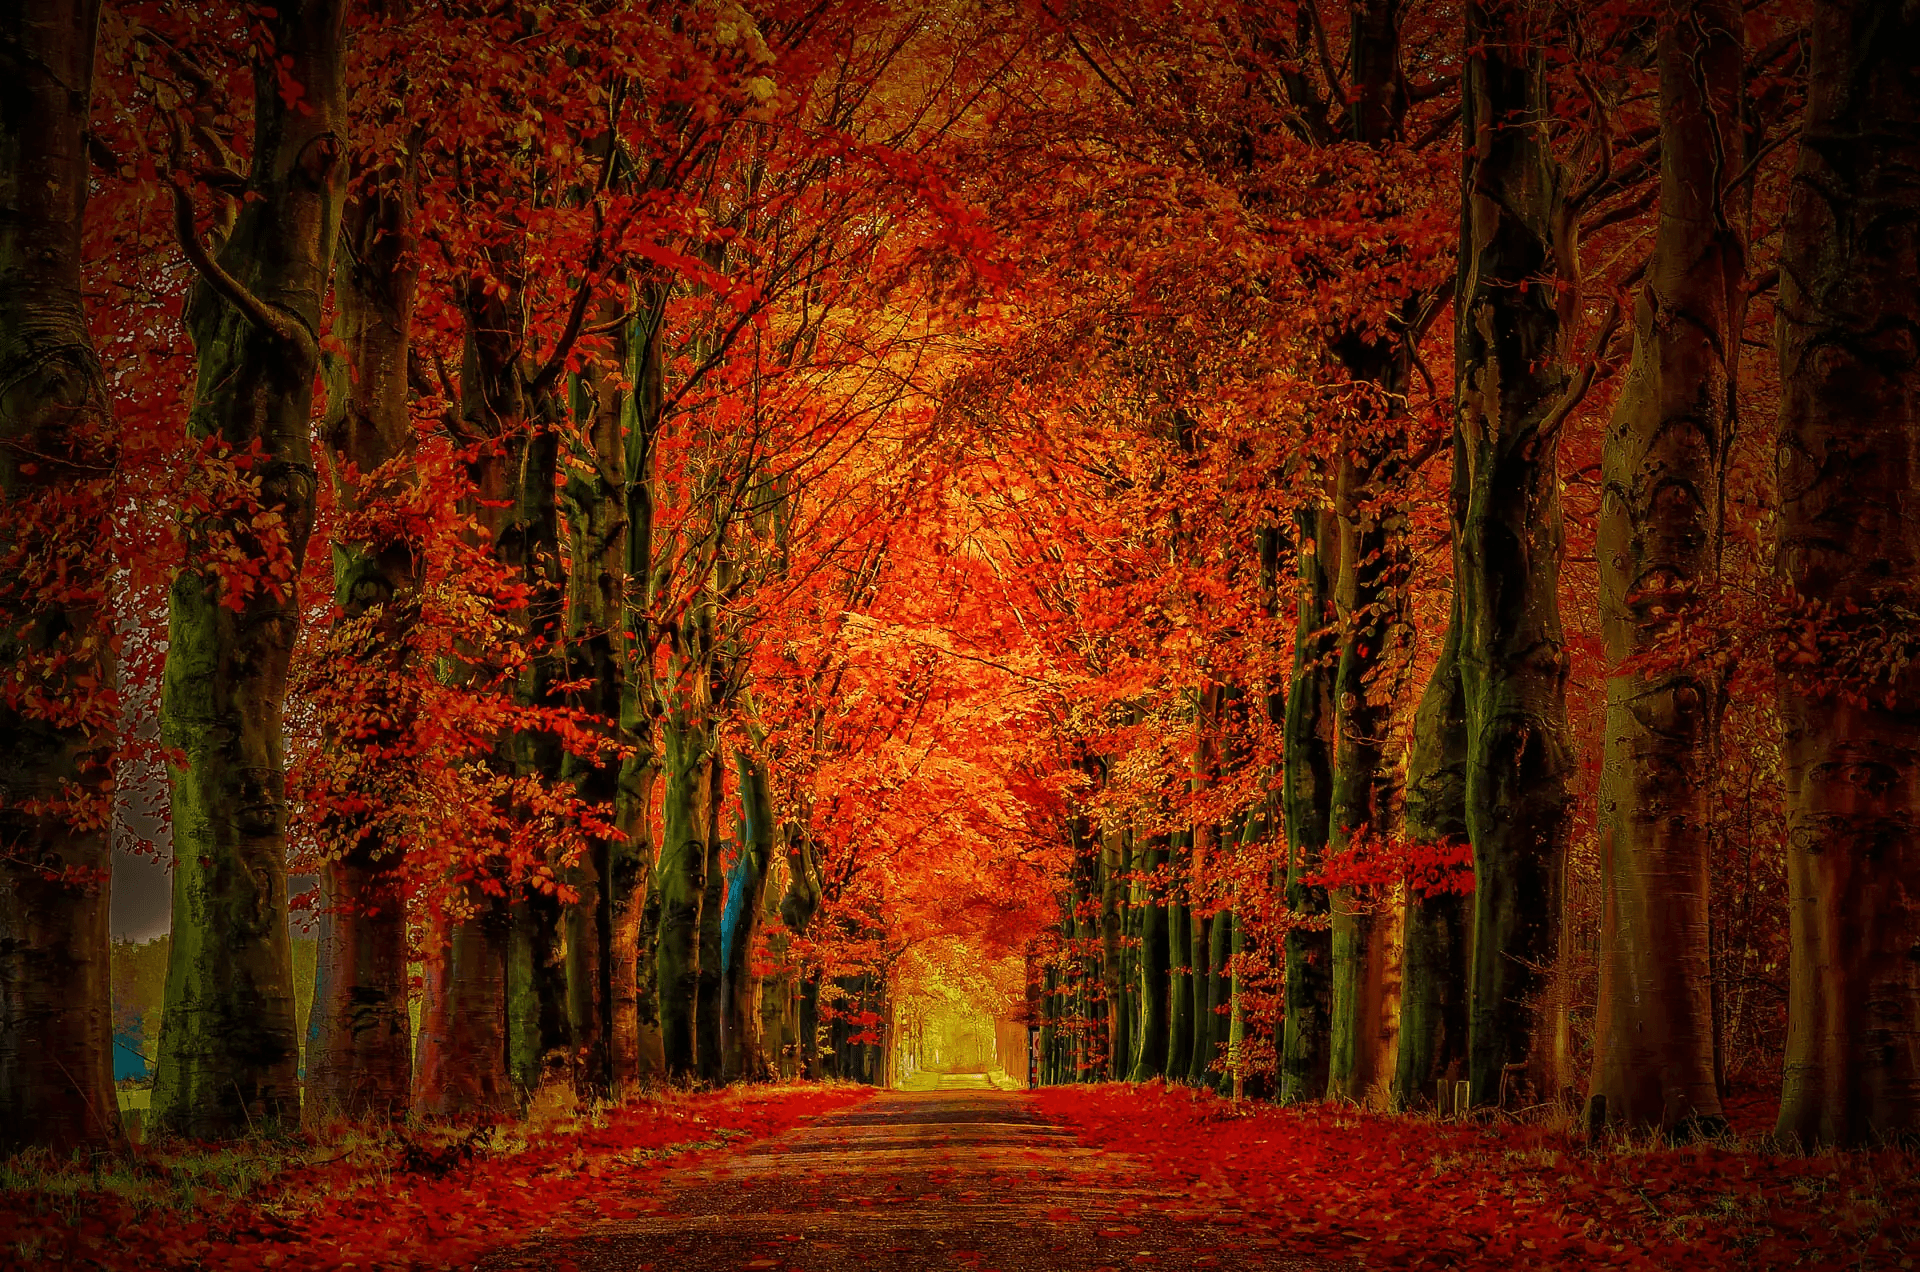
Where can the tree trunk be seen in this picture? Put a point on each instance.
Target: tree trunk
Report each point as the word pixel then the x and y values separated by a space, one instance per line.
pixel 1515 299
pixel 683 889
pixel 1659 538
pixel 1307 793
pixel 1375 633
pixel 360 1042
pixel 1219 995
pixel 1180 963
pixel 709 1009
pixel 746 902
pixel 1151 1033
pixel 1113 866
pixel 633 894
pixel 228 1054
pixel 1848 466
pixel 57 454
pixel 1438 936
pixel 462 1069
pixel 1200 933
pixel 597 654
pixel 536 989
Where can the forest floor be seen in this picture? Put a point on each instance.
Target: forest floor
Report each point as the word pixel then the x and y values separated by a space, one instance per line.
pixel 964 1174
pixel 957 1176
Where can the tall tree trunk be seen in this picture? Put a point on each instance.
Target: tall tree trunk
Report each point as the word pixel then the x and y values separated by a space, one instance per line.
pixel 360 1039
pixel 57 453
pixel 634 893
pixel 1151 1034
pixel 536 989
pixel 1180 961
pixel 1200 952
pixel 536 975
pixel 1113 866
pixel 1371 600
pixel 1848 466
pixel 1307 793
pixel 1515 299
pixel 746 901
pixel 1220 934
pixel 1659 540
pixel 597 653
pixel 683 888
pixel 1438 934
pixel 228 1054
pixel 709 1009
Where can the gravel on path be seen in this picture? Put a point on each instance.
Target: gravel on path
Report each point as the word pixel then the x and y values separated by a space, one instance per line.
pixel 963 1176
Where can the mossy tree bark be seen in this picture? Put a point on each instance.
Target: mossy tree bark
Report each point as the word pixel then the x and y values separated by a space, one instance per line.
pixel 1307 797
pixel 1179 949
pixel 1848 467
pixel 57 453
pixel 1515 299
pixel 1437 928
pixel 1663 464
pixel 683 881
pixel 599 650
pixel 1151 1033
pixel 228 1053
pixel 709 1005
pixel 1113 868
pixel 634 883
pixel 746 1055
pixel 360 1043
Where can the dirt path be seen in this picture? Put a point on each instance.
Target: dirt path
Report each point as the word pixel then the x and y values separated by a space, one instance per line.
pixel 958 1177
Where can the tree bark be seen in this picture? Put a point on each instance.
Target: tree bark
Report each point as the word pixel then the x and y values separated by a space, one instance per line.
pixel 1180 962
pixel 1306 793
pixel 1438 933
pixel 360 1039
pixel 1848 467
pixel 1370 598
pixel 746 1049
pixel 709 1007
pixel 1152 1032
pixel 462 1069
pixel 598 654
pixel 57 453
pixel 1663 467
pixel 683 888
pixel 1515 301
pixel 1113 866
pixel 228 1054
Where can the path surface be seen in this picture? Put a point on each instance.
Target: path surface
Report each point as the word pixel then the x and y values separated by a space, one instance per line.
pixel 963 1176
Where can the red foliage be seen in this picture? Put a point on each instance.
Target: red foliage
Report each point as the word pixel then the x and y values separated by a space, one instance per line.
pixel 1329 1181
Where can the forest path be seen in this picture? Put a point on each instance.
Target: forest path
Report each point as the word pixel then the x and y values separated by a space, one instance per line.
pixel 952 1178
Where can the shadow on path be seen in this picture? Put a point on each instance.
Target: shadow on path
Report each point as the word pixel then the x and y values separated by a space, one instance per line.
pixel 939 1179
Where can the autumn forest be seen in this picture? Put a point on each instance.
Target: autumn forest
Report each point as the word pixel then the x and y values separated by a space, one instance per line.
pixel 1340 573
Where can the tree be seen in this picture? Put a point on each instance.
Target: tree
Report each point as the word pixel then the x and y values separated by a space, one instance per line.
pixel 58 711
pixel 227 1050
pixel 1848 552
pixel 360 1049
pixel 1513 381
pixel 1660 538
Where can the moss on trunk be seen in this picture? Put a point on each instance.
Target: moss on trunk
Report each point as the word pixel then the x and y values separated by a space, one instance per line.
pixel 228 1053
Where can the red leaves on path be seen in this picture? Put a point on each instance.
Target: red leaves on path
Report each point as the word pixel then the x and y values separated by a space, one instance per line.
pixel 1405 1192
pixel 364 1210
